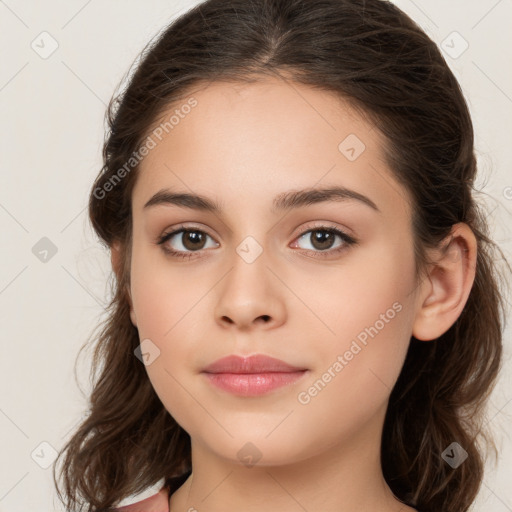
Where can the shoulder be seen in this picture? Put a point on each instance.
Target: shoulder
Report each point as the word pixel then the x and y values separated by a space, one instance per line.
pixel 155 499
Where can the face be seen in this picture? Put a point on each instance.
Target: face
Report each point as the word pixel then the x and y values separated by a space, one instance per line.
pixel 326 285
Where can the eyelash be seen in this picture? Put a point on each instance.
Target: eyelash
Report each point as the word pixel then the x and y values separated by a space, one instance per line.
pixel 348 241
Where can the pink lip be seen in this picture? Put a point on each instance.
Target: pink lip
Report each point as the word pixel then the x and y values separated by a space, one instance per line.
pixel 251 376
pixel 258 363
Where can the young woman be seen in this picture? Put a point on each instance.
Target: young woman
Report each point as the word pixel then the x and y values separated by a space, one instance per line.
pixel 307 312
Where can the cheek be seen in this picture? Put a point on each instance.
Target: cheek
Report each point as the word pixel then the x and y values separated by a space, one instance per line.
pixel 162 297
pixel 369 312
pixel 166 306
pixel 358 370
pixel 366 297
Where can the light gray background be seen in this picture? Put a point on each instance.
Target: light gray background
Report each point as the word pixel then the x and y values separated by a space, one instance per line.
pixel 52 122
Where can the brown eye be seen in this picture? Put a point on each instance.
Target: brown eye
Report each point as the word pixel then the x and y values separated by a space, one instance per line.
pixel 323 239
pixel 193 240
pixel 184 241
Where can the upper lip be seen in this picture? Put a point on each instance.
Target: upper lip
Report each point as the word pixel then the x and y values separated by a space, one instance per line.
pixel 258 363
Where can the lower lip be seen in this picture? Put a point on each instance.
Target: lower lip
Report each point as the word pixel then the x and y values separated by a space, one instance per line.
pixel 253 384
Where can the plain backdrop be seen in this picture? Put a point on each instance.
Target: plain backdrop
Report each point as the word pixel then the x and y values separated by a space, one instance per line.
pixel 53 271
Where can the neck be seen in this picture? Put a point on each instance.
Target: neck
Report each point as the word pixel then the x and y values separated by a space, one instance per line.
pixel 346 477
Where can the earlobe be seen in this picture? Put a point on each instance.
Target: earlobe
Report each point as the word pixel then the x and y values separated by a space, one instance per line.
pixel 115 259
pixel 445 290
pixel 132 315
pixel 132 312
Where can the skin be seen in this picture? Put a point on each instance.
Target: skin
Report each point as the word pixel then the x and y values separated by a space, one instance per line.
pixel 242 145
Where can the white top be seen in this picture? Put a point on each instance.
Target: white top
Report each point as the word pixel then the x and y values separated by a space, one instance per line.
pixel 150 491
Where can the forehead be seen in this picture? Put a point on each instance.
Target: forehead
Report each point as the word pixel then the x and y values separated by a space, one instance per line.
pixel 251 141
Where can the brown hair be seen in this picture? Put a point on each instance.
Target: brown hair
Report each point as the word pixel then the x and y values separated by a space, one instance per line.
pixel 374 55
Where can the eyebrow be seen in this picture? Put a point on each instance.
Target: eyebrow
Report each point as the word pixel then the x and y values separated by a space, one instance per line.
pixel 282 202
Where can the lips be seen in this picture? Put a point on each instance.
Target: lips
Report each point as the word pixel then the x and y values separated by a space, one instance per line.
pixel 253 364
pixel 252 376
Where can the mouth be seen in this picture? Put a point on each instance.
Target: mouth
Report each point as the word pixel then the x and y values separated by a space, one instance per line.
pixel 252 376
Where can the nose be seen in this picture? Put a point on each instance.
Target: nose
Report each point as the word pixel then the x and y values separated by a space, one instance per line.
pixel 250 297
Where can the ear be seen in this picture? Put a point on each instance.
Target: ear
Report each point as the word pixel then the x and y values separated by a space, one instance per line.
pixel 116 261
pixel 115 258
pixel 444 292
